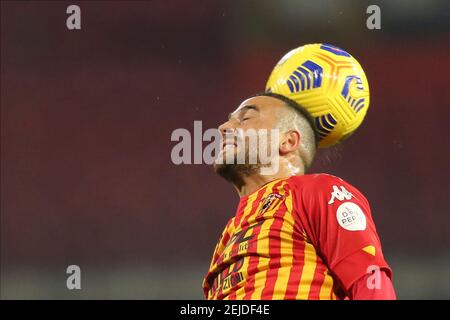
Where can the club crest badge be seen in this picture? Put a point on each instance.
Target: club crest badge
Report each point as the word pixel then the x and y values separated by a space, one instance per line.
pixel 270 202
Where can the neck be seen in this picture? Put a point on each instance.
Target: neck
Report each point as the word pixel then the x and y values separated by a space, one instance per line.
pixel 252 183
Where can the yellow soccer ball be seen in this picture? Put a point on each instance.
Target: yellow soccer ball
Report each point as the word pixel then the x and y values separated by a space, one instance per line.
pixel 329 83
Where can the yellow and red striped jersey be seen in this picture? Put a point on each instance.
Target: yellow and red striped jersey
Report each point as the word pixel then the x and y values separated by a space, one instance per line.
pixel 305 237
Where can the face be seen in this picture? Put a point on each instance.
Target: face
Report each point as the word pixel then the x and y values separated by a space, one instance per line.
pixel 252 115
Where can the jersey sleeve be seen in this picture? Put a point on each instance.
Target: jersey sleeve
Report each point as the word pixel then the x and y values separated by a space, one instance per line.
pixel 337 220
pixel 377 286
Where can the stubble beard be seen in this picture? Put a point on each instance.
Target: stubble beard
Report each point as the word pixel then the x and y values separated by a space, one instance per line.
pixel 236 172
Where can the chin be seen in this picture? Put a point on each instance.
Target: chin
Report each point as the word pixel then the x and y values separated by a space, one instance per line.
pixel 235 173
pixel 226 171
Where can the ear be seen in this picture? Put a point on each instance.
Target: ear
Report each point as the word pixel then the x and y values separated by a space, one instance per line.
pixel 289 142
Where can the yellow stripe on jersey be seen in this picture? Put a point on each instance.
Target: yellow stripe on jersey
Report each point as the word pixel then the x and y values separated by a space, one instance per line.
pixel 326 290
pixel 247 211
pixel 263 262
pixel 240 293
pixel 232 229
pixel 309 266
pixel 260 277
pixel 287 253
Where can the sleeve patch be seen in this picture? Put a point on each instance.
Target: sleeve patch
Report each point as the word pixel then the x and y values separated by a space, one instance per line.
pixel 351 217
pixel 370 250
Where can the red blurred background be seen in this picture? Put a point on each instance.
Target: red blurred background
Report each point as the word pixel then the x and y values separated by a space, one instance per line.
pixel 86 119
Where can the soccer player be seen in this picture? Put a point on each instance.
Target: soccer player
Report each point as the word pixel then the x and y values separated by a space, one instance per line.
pixel 294 235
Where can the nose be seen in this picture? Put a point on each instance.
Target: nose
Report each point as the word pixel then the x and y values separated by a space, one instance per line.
pixel 226 128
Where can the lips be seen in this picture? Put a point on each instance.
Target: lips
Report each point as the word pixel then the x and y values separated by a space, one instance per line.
pixel 228 143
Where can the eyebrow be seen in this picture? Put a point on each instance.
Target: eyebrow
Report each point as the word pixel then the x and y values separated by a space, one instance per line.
pixel 245 108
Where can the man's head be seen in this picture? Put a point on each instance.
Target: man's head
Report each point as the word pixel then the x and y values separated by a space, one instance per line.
pixel 297 135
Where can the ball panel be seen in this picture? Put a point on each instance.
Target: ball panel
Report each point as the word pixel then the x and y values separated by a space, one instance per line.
pixel 329 83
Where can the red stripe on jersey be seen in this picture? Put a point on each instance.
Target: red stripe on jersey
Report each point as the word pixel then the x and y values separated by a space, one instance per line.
pixel 223 242
pixel 274 250
pixel 240 213
pixel 274 253
pixel 218 257
pixel 255 205
pixel 252 269
pixel 254 259
pixel 298 247
pixel 317 282
pixel 237 221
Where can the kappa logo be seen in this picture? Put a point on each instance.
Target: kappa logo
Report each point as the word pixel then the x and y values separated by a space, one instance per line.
pixel 270 202
pixel 340 195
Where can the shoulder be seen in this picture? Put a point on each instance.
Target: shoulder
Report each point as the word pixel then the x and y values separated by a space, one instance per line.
pixel 323 186
pixel 314 181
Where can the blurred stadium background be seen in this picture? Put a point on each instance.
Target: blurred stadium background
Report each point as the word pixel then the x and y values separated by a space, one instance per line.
pixel 86 119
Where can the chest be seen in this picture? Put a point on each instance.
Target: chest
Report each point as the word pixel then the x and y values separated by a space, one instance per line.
pixel 267 232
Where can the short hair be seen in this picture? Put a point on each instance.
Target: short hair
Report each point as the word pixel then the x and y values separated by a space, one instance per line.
pixel 305 115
